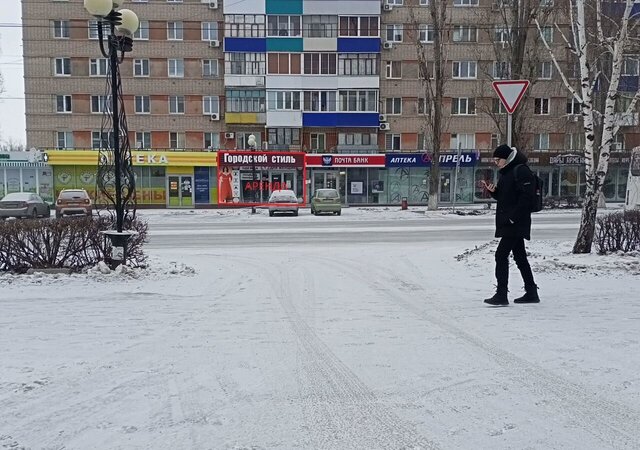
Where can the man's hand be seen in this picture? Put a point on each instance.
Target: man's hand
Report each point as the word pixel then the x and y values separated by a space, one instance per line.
pixel 489 187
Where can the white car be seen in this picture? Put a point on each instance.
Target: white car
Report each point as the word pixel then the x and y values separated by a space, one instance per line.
pixel 283 201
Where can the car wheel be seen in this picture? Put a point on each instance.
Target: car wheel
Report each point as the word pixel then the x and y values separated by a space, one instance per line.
pixel 58 216
pixel 295 213
pixel 34 213
pixel 338 213
pixel 271 213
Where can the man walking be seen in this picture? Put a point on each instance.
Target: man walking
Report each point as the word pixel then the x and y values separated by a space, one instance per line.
pixel 515 194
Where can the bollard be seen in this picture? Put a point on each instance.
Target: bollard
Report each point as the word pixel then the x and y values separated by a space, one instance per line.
pixel 404 203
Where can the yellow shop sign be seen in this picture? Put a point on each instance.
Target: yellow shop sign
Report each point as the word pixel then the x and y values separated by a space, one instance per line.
pixel 138 158
pixel 141 159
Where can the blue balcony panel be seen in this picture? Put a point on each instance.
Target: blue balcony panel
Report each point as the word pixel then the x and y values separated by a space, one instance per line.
pixel 628 84
pixel 252 45
pixel 359 45
pixel 336 119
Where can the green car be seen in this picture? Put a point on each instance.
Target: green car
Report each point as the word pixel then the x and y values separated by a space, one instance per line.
pixel 326 201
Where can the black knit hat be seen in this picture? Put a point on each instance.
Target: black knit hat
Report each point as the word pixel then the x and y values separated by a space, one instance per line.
pixel 502 151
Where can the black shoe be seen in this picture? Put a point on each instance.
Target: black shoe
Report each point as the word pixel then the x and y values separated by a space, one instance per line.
pixel 530 296
pixel 499 299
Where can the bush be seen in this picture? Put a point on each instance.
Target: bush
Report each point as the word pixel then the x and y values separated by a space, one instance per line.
pixel 618 231
pixel 73 243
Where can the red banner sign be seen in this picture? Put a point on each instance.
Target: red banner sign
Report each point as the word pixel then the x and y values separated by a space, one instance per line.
pixel 338 160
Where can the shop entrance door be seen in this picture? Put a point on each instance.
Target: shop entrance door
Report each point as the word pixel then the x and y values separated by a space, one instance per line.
pixel 446 187
pixel 283 180
pixel 180 188
pixel 327 180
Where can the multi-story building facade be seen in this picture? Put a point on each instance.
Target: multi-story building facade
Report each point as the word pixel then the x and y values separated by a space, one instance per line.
pixel 325 77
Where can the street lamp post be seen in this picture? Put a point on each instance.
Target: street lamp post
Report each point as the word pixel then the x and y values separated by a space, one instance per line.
pixel 115 178
pixel 251 141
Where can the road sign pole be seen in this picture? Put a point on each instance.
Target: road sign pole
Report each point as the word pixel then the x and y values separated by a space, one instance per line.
pixel 509 128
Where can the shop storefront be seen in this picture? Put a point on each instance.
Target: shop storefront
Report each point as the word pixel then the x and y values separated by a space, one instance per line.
pixel 163 179
pixel 25 172
pixel 249 177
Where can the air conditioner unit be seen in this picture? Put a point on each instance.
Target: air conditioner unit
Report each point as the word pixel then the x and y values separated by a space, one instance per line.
pixel 215 117
pixel 382 117
pixel 229 135
pixel 385 126
pixel 387 45
pixel 214 44
pixel 213 4
pixel 387 7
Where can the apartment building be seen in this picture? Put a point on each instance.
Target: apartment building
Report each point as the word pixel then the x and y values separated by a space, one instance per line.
pixel 324 77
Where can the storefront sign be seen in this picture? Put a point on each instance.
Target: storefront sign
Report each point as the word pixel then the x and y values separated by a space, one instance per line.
pixel 567 160
pixel 424 159
pixel 345 160
pixel 262 159
pixel 147 159
pixel 201 180
pixel 4 156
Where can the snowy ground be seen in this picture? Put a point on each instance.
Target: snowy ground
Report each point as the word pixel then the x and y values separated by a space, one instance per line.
pixel 323 346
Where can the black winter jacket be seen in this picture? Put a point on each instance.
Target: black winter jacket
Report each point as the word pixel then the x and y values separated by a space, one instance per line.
pixel 515 196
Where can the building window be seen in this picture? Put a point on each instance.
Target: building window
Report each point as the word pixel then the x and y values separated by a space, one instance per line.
pixel 497 107
pixel 541 106
pixel 63 103
pixel 176 68
pixel 359 26
pixel 142 104
pixel 319 101
pixel 176 140
pixel 501 35
pixel 358 101
pixel 176 104
pixel 467 141
pixel 618 143
pixel 357 139
pixel 209 31
pixel 541 141
pixel 318 141
pixel 424 106
pixel 395 2
pixel 463 106
pixel 320 64
pixel 319 26
pixel 283 101
pixel 143 139
pixel 100 103
pixel 62 66
pixel 284 63
pixel 464 69
pixel 64 140
pixel 244 25
pixel 358 63
pixel 142 33
pixel 244 63
pixel 630 66
pixel 101 139
pixel 573 106
pixel 210 104
pixel 547 33
pixel 60 29
pixel 284 136
pixel 211 141
pixel 93 29
pixel 545 70
pixel 465 33
pixel 393 69
pixel 465 2
pixel 393 142
pixel 394 32
pixel 393 106
pixel 98 67
pixel 427 34
pixel 140 67
pixel 175 31
pixel 245 100
pixel 283 26
pixel 574 141
pixel 501 70
pixel 210 68
pixel 424 2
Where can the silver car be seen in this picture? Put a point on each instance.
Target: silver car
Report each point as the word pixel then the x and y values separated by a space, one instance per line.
pixel 23 204
pixel 283 201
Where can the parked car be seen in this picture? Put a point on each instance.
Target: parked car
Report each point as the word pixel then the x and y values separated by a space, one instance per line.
pixel 23 204
pixel 283 201
pixel 73 202
pixel 326 201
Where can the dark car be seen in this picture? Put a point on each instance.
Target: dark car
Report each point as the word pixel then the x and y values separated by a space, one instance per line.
pixel 73 202
pixel 23 204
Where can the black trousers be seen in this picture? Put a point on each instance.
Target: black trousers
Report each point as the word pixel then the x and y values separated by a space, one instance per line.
pixel 505 247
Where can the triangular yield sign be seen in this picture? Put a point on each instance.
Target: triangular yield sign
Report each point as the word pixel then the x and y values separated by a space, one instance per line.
pixel 510 92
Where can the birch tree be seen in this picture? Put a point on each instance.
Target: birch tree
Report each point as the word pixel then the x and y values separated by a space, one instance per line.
pixel 600 51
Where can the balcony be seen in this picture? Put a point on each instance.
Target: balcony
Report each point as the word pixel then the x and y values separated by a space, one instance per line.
pixel 245 118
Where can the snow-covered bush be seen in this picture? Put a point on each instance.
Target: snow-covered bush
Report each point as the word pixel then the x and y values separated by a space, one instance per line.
pixel 618 231
pixel 73 243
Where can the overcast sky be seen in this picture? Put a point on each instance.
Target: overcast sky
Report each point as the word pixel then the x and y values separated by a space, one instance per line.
pixel 12 123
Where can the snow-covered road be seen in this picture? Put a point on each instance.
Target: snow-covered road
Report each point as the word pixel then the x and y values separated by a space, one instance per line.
pixel 332 345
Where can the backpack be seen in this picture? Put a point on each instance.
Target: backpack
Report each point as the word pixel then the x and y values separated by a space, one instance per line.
pixel 538 185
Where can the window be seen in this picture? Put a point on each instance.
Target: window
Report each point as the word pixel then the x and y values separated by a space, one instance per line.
pixel 245 100
pixel 395 2
pixel 496 140
pixel 502 35
pixel 140 67
pixel 501 70
pixel 142 104
pixel 98 67
pixel 244 25
pixel 541 141
pixel 142 33
pixel 547 33
pixel 358 101
pixel 463 106
pixel 143 139
pixel 465 33
pixel 100 103
pixel 394 32
pixel 318 141
pixel 574 141
pixel 319 101
pixel 424 2
pixel 394 69
pixel 319 26
pixel 630 65
pixel 284 136
pixel 60 29
pixel 210 104
pixel 63 103
pixel 541 106
pixel 618 143
pixel 283 26
pixel 175 31
pixel 573 106
pixel 393 142
pixel 393 106
pixel 497 108
pixel 64 139
pixel 284 63
pixel 357 139
pixel 176 104
pixel 244 63
pixel 467 141
pixel 243 137
pixel 62 66
pixel 320 64
pixel 209 31
pixel 176 68
pixel 101 139
pixel 464 69
pixel 210 68
pixel 465 2
pixel 176 140
pixel 93 29
pixel 211 141
pixel 359 26
pixel 358 63
pixel 545 70
pixel 283 101
pixel 424 106
pixel 427 34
